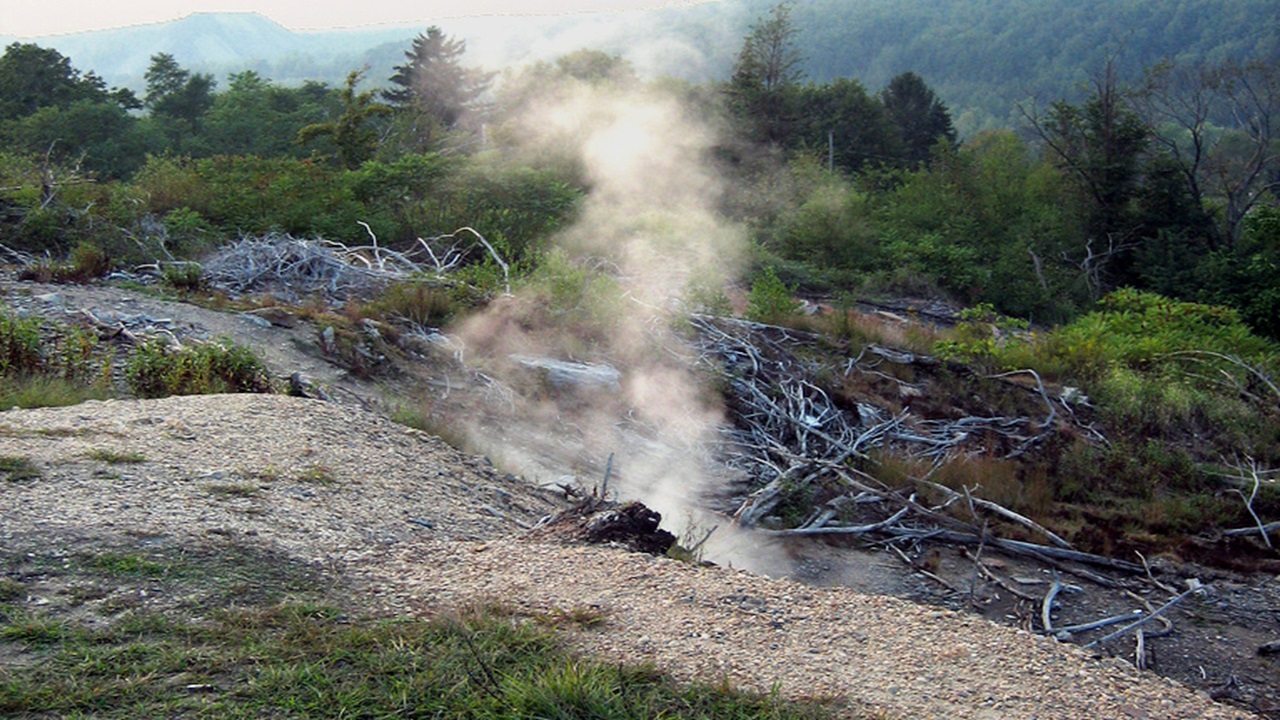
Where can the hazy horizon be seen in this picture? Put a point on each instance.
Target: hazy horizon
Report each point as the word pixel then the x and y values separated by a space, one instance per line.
pixel 65 17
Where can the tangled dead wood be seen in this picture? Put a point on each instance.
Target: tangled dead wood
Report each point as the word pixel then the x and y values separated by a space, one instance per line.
pixel 794 439
pixel 294 267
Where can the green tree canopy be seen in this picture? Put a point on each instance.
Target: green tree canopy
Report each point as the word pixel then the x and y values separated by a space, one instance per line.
pixel 352 133
pixel 32 77
pixel 433 91
pixel 847 127
pixel 921 118
pixel 177 98
pixel 765 76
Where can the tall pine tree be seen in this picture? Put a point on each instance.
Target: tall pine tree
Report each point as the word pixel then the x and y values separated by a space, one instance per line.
pixel 433 93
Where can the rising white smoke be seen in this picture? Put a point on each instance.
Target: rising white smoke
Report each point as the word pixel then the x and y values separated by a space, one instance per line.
pixel 650 218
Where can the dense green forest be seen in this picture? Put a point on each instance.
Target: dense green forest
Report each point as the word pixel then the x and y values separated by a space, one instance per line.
pixel 987 56
pixel 1164 183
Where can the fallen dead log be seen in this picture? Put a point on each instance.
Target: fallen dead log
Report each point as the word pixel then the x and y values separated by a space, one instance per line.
pixel 1046 607
pixel 1017 547
pixel 991 576
pixel 1195 588
pixel 1063 633
pixel 838 529
pixel 564 373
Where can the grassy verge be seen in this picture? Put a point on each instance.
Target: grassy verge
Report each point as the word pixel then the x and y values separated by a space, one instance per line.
pixel 236 633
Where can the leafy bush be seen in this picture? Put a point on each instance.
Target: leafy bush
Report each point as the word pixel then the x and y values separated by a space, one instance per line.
pixel 89 261
pixel 157 369
pixel 1146 332
pixel 979 336
pixel 186 277
pixel 770 300
pixel 583 303
pixel 20 346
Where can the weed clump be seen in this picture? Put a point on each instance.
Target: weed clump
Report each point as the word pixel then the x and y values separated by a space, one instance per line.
pixel 187 277
pixel 17 468
pixel 45 366
pixel 158 370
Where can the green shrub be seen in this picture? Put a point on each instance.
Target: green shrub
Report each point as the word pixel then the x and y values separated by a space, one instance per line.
pixel 979 336
pixel 185 277
pixel 770 300
pixel 157 370
pixel 581 302
pixel 89 261
pixel 46 366
pixel 189 234
pixel 20 345
pixel 1144 331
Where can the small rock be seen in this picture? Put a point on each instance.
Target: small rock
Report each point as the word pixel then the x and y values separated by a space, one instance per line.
pixel 276 316
pixel 259 321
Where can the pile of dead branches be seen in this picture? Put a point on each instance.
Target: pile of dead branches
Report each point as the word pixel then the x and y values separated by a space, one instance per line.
pixel 292 268
pixel 284 265
pixel 792 437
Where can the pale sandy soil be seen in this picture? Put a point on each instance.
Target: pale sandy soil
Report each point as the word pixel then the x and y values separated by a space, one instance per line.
pixel 420 527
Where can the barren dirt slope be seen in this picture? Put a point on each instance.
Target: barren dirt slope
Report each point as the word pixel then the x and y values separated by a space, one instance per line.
pixel 420 526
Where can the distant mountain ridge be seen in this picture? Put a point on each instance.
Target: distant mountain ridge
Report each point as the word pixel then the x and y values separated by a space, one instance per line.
pixel 981 56
pixel 217 43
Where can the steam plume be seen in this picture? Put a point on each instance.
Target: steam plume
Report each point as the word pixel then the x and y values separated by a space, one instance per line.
pixel 650 217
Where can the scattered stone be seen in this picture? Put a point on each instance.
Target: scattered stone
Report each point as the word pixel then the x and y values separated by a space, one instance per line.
pixel 561 373
pixel 276 316
pixel 259 321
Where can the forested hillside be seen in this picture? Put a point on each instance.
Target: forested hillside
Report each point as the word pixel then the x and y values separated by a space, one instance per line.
pixel 982 57
pixel 987 55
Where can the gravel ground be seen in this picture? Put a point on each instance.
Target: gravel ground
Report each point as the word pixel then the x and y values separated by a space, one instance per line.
pixel 422 527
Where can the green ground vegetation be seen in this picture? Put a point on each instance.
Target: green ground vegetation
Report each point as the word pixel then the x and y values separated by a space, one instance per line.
pixel 235 632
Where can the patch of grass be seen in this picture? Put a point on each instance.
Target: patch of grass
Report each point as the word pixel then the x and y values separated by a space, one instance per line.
pixel 578 616
pixel 11 589
pixel 230 490
pixel 419 416
pixel 33 630
pixel 35 391
pixel 311 660
pixel 319 474
pixel 117 457
pixel 270 473
pixel 294 653
pixel 157 370
pixel 124 564
pixel 415 302
pixel 16 468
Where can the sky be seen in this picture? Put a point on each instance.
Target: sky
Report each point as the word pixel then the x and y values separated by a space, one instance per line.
pixel 35 18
